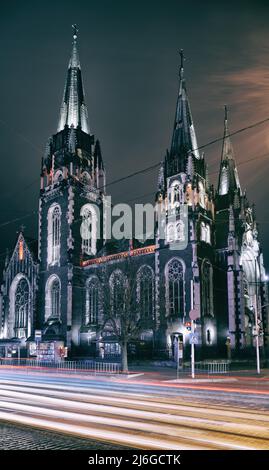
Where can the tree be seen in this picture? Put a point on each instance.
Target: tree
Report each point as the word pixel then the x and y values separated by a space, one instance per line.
pixel 121 316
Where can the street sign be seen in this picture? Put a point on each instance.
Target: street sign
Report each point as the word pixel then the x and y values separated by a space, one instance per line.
pixel 194 314
pixel 38 335
pixel 193 338
pixel 254 331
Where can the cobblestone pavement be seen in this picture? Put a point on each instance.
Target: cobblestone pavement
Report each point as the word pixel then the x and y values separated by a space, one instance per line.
pixel 15 437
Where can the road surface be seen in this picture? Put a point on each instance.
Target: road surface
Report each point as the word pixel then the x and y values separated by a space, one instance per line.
pixel 137 414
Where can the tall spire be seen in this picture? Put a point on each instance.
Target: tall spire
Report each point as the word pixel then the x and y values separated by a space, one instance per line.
pixel 184 138
pixel 73 111
pixel 228 176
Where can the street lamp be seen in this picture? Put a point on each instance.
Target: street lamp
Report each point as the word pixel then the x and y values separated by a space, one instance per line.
pixel 255 334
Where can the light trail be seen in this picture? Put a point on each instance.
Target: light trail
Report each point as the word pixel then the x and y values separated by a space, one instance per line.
pixel 145 421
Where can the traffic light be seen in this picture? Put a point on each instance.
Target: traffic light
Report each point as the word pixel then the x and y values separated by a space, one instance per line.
pixel 187 325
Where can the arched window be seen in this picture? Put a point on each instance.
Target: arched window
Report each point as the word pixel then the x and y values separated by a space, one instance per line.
pixel 118 284
pixel 180 235
pixel 53 298
pixel 175 288
pixel 85 178
pixel 207 288
pixel 205 232
pixel 224 181
pixel 92 301
pixel 170 233
pixel 88 229
pixel 54 234
pixel 58 176
pixel 22 298
pixel 176 194
pixel 201 194
pixel 145 291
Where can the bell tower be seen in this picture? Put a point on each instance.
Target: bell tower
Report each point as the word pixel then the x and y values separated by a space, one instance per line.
pixel 186 199
pixel 70 206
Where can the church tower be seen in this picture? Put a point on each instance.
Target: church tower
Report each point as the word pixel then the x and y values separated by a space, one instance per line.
pixel 186 248
pixel 70 209
pixel 241 275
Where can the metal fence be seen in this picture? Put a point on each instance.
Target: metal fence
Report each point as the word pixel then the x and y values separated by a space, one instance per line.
pixel 212 367
pixel 90 367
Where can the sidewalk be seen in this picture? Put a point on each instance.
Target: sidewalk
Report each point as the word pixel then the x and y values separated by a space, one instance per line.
pixel 163 374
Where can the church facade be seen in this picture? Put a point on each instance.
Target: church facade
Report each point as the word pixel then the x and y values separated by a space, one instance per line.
pixel 74 287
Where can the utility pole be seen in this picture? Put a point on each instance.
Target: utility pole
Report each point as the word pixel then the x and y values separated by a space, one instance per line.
pixel 256 322
pixel 257 335
pixel 192 343
pixel 192 352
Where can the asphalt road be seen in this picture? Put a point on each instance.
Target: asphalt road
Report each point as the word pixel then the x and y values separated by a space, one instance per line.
pixel 139 414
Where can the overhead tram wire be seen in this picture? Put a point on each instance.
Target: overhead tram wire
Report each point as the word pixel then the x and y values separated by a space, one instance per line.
pixel 151 167
pixel 17 219
pixel 214 141
pixel 239 163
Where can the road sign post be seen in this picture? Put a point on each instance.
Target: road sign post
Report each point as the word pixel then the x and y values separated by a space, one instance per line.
pixel 194 315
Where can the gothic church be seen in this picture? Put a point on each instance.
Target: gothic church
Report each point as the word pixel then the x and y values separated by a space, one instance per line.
pixel 58 285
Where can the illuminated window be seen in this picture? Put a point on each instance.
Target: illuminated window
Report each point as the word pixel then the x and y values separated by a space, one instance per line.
pixel 88 229
pixel 180 235
pixel 205 233
pixel 21 253
pixel 53 298
pixel 118 284
pixel 54 234
pixel 176 195
pixel 22 295
pixel 92 301
pixel 175 288
pixel 170 233
pixel 207 288
pixel 201 194
pixel 224 181
pixel 145 291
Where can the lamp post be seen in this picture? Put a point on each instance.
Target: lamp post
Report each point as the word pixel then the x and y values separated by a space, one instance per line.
pixel 256 335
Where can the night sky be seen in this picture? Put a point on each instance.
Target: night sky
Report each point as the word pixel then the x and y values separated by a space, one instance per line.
pixel 129 58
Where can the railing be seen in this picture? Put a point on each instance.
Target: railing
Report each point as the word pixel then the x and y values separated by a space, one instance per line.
pixel 213 367
pixel 90 367
pixel 210 367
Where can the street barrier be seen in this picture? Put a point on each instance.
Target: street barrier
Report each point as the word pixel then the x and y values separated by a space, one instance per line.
pixel 90 367
pixel 211 367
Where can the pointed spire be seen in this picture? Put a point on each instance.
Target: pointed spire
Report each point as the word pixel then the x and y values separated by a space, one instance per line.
pixel 228 176
pixel 184 138
pixel 73 109
pixel 98 160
